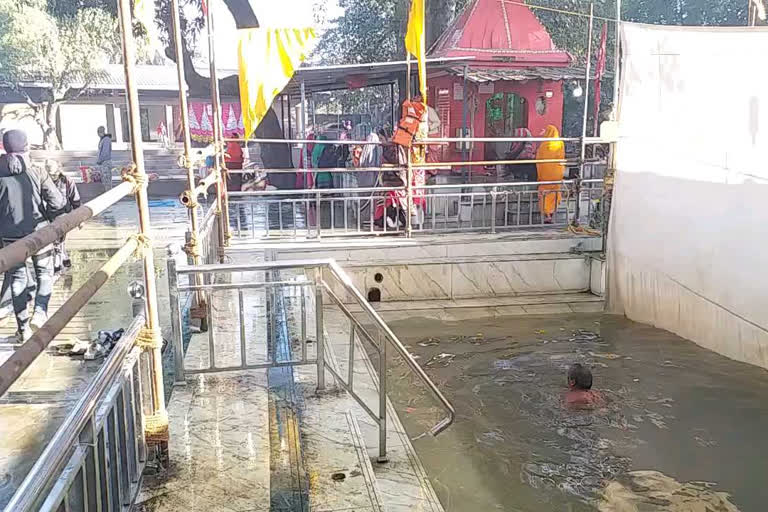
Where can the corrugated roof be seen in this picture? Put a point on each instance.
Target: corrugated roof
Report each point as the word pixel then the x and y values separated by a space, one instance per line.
pixel 148 78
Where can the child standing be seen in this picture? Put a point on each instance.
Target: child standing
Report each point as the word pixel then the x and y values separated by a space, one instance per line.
pixel 68 189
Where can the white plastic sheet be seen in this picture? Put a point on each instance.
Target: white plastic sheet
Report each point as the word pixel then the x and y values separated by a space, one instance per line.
pixel 688 243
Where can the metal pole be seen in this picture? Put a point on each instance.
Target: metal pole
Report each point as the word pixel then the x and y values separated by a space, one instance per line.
pixel 617 62
pixel 192 250
pixel 392 103
pixel 382 399
pixel 152 340
pixel 409 170
pixel 303 128
pixel 173 294
pixel 319 326
pixel 464 116
pixel 221 184
pixel 583 156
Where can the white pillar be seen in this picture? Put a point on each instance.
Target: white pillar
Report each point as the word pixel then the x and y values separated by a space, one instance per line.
pixel 118 135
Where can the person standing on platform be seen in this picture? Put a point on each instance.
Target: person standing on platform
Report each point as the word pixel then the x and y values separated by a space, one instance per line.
pixel 104 159
pixel 550 195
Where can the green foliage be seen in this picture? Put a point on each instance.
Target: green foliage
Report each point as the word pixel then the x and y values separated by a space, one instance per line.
pixel 63 51
pixel 60 52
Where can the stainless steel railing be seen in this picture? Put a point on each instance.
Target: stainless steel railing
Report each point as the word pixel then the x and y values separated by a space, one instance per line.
pixel 322 277
pixel 477 207
pixel 95 459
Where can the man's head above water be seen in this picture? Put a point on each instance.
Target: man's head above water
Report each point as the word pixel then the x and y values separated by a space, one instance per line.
pixel 579 377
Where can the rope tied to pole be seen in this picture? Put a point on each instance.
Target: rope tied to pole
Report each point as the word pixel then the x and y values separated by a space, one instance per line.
pixel 132 175
pixel 156 427
pixel 143 243
pixel 191 247
pixel 149 339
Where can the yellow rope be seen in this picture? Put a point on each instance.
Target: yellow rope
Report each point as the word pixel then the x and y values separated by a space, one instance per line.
pixel 156 428
pixel 191 247
pixel 582 230
pixel 149 339
pixel 132 175
pixel 143 243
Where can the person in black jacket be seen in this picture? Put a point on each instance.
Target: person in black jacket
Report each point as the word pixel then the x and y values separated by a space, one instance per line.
pixel 28 201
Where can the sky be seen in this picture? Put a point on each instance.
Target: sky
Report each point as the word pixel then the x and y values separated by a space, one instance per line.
pixel 275 13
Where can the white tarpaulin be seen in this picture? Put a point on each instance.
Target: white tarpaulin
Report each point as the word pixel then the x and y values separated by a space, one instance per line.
pixel 688 242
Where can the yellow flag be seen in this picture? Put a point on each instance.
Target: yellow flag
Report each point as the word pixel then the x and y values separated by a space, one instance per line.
pixel 268 58
pixel 416 43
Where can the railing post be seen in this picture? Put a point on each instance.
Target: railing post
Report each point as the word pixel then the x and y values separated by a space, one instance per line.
pixel 150 339
pixel 409 195
pixel 382 399
pixel 176 327
pixel 221 183
pixel 494 193
pixel 319 325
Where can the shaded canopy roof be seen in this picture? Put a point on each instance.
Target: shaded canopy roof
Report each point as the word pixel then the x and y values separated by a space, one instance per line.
pixel 500 33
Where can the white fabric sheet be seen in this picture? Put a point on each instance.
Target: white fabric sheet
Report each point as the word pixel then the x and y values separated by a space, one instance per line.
pixel 688 242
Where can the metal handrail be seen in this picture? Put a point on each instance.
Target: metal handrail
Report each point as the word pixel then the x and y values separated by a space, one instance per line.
pixel 360 190
pixel 346 281
pixel 59 448
pixel 343 278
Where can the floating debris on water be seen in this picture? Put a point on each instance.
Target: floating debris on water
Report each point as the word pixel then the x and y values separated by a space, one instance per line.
pixel 440 360
pixel 605 355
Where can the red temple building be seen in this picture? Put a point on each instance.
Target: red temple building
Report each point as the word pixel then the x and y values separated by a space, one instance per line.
pixel 514 76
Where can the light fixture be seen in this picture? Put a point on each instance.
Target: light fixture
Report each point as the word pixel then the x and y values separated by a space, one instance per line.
pixel 578 92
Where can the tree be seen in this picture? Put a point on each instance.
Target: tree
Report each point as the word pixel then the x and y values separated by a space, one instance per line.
pixel 49 57
pixel 190 28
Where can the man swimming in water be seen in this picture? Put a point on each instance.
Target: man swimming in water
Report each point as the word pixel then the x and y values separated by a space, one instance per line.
pixel 580 384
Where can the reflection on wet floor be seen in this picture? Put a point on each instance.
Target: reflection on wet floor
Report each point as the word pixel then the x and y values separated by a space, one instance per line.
pixel 680 428
pixel 35 406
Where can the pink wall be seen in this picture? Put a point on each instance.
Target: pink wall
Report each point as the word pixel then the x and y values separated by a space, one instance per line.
pixel 530 90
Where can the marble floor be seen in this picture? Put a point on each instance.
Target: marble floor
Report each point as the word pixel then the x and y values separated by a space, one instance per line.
pixel 226 438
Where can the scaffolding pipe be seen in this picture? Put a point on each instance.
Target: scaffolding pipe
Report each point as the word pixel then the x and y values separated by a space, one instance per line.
pixel 18 252
pixel 142 201
pixel 221 183
pixel 189 197
pixel 25 355
pixel 193 252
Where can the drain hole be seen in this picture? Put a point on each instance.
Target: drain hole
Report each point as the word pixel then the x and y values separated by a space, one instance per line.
pixel 374 295
pixel 378 277
pixel 338 476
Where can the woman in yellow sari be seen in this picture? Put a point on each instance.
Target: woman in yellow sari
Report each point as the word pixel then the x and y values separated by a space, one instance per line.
pixel 550 195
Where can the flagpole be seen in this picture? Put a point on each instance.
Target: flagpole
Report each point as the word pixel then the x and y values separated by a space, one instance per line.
pixel 221 183
pixel 577 185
